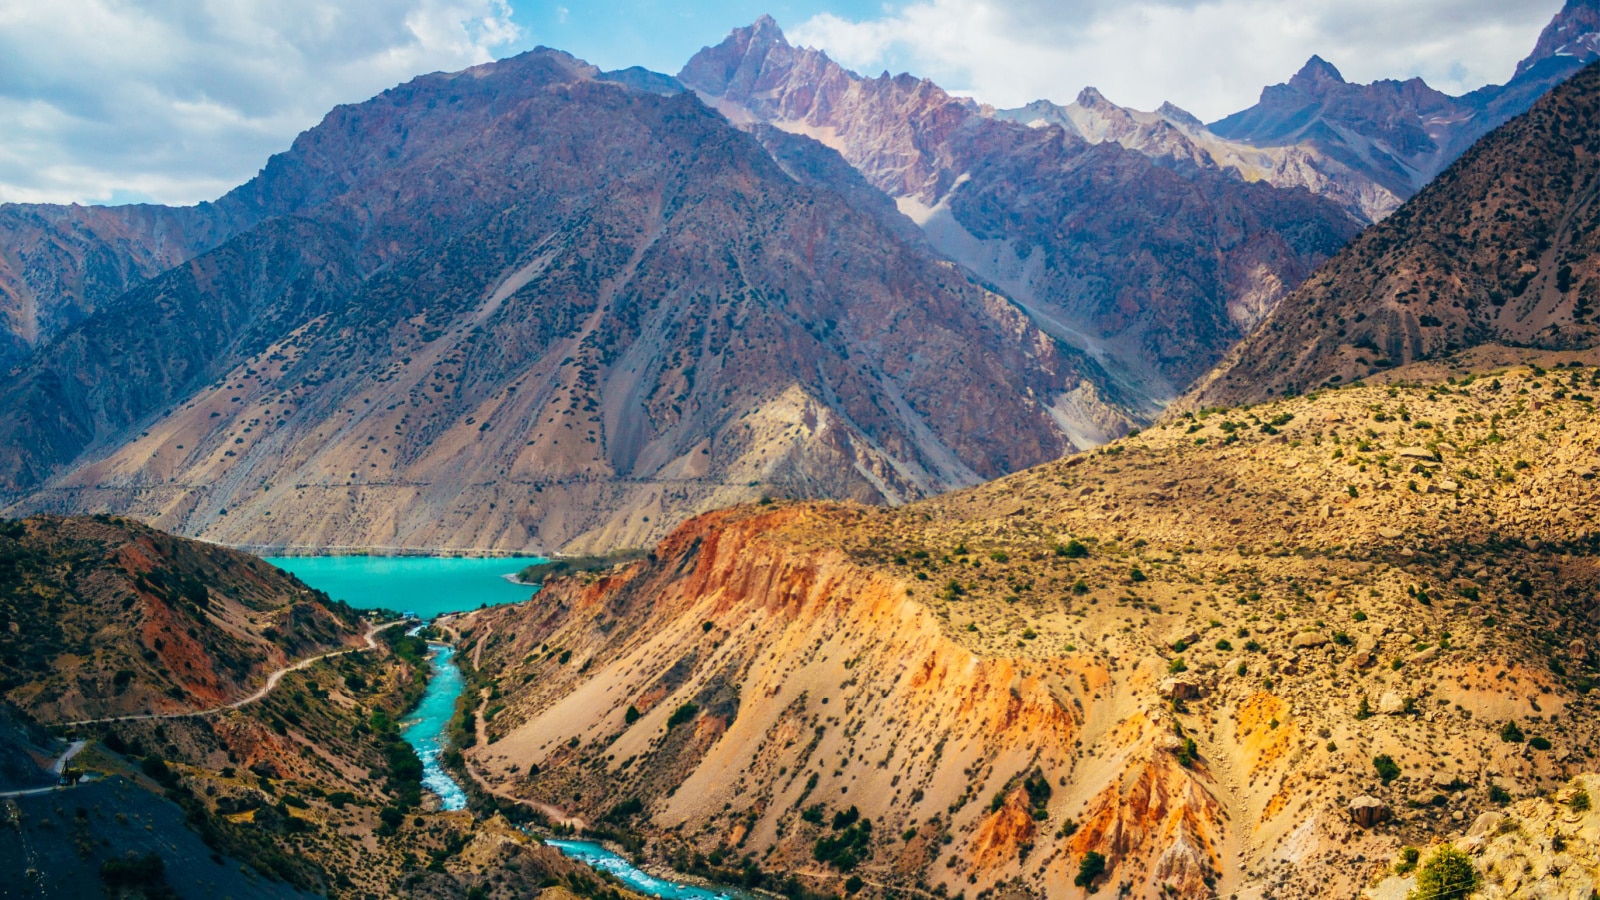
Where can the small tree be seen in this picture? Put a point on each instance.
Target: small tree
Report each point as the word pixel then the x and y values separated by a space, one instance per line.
pixel 1090 868
pixel 1447 875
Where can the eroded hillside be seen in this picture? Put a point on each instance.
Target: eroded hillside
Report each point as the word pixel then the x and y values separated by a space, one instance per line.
pixel 1191 652
pixel 103 617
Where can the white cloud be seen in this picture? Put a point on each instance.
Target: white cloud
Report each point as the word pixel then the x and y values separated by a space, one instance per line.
pixel 180 100
pixel 1211 57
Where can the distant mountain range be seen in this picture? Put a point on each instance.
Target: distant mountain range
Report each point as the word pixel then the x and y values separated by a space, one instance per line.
pixel 1368 147
pixel 530 306
pixel 538 306
pixel 1152 269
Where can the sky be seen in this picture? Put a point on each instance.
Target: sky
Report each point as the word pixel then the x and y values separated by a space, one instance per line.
pixel 177 101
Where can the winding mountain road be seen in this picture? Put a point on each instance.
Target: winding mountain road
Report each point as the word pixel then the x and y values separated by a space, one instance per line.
pixel 272 681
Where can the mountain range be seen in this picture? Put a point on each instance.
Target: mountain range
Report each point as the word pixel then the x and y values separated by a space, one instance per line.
pixel 523 306
pixel 1498 250
pixel 1058 502
pixel 438 321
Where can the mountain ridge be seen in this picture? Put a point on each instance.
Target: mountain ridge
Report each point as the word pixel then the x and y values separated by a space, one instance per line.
pixel 478 331
pixel 1499 249
pixel 1050 218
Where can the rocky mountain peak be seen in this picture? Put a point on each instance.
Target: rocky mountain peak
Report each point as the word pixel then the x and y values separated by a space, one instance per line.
pixel 1574 32
pixel 1317 74
pixel 1091 98
pixel 1179 116
pixel 744 50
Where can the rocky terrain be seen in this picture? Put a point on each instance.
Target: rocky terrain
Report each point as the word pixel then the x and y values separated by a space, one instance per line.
pixel 1172 136
pixel 1543 847
pixel 529 307
pixel 1152 269
pixel 1500 249
pixel 308 790
pixel 105 617
pixel 58 264
pixel 1252 651
pixel 1399 135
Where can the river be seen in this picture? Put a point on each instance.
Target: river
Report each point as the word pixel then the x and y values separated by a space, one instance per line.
pixel 432 586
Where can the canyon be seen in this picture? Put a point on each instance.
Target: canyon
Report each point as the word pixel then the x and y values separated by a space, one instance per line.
pixel 1183 652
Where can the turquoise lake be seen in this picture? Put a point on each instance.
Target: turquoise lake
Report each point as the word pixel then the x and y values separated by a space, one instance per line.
pixel 426 585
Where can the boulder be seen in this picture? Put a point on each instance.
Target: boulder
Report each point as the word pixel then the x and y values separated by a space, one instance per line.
pixel 1368 811
pixel 1426 655
pixel 1486 824
pixel 1417 453
pixel 1577 649
pixel 1180 689
pixel 1391 704
pixel 1309 639
pixel 1362 659
pixel 1184 635
pixel 1385 531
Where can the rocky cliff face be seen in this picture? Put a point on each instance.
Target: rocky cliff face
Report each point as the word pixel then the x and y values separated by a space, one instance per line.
pixel 58 264
pixel 520 307
pixel 1151 268
pixel 1191 652
pixel 104 617
pixel 1500 249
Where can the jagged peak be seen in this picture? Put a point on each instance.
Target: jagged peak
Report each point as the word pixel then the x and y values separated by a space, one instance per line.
pixel 1091 97
pixel 1571 32
pixel 766 28
pixel 1317 71
pixel 1177 115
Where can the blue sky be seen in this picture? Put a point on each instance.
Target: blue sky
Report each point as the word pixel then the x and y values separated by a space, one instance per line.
pixel 177 101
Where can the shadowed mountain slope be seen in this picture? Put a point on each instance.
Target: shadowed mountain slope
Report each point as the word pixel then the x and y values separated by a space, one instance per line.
pixel 523 308
pixel 1500 249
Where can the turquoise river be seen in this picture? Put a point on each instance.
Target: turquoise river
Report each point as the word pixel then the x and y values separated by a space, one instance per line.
pixel 429 587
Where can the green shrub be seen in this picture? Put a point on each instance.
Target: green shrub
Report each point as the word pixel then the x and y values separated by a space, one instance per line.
pixel 1539 743
pixel 1387 769
pixel 1579 801
pixel 1511 734
pixel 1406 861
pixel 1072 550
pixel 682 714
pixel 1447 875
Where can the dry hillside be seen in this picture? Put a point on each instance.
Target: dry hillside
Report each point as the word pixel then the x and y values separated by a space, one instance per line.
pixel 1190 652
pixel 103 617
